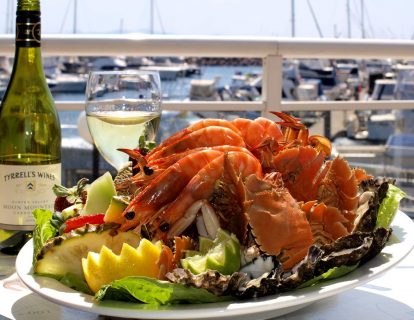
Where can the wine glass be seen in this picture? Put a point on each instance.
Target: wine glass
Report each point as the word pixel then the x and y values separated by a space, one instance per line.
pixel 122 108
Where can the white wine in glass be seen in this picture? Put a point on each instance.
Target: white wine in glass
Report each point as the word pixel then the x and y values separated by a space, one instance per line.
pixel 122 107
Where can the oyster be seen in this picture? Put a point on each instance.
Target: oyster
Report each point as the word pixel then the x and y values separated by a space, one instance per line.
pixel 350 250
pixel 210 280
pixel 373 192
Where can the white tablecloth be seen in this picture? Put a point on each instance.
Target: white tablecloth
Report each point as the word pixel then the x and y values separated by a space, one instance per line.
pixel 388 297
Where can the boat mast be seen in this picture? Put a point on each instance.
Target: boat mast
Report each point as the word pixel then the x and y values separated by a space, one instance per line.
pixel 362 20
pixel 9 16
pixel 348 16
pixel 292 12
pixel 121 26
pixel 315 20
pixel 152 16
pixel 75 13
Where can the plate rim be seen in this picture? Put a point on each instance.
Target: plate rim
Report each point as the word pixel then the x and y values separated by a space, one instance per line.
pixel 403 231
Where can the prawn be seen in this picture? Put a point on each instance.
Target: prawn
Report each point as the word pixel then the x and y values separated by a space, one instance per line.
pixel 194 127
pixel 258 131
pixel 173 220
pixel 165 162
pixel 164 188
pixel 205 137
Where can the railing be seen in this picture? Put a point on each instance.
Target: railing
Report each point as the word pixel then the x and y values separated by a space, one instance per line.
pixel 271 50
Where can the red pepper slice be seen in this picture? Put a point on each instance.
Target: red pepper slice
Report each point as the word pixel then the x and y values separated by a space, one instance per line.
pixel 80 221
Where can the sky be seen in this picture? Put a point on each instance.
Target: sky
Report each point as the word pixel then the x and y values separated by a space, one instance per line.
pixel 383 19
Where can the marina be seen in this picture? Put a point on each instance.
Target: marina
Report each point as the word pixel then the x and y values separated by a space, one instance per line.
pixel 283 179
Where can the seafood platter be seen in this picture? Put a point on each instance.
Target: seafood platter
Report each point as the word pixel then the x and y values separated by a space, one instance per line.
pixel 221 213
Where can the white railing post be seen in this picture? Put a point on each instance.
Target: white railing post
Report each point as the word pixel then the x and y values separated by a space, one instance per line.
pixel 272 83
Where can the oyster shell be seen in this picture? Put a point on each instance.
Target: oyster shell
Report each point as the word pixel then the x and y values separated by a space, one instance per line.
pixel 373 191
pixel 210 280
pixel 355 248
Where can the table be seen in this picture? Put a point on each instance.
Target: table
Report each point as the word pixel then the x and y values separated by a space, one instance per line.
pixel 388 297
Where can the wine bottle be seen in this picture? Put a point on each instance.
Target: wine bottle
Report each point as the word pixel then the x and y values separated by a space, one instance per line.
pixel 30 135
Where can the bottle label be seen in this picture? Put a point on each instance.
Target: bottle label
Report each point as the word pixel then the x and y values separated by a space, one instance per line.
pixel 28 29
pixel 23 189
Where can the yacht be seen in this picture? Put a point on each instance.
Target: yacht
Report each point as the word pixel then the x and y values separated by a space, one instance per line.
pixel 67 83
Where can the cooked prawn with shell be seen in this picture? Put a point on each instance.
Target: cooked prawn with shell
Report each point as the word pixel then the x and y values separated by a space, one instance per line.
pixel 201 187
pixel 207 136
pixel 165 188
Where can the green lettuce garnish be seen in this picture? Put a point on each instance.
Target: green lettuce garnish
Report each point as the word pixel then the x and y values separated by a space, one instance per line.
pixel 333 273
pixel 76 282
pixel 145 145
pixel 389 206
pixel 43 230
pixel 156 292
pixel 70 280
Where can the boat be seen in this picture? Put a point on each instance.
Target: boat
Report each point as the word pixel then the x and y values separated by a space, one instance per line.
pixel 3 85
pixel 378 125
pixel 384 89
pixel 204 90
pixel 60 82
pixel 108 63
pixel 372 70
pixel 5 70
pixel 318 69
pixel 167 73
pixel 67 83
pixel 188 68
pixel 136 62
pixel 2 90
pixel 248 87
pixel 171 68
pixel 74 65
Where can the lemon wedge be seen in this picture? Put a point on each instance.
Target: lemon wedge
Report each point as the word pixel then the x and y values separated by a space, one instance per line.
pixel 104 267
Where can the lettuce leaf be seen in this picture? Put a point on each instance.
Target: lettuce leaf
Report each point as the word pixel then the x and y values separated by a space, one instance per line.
pixel 332 273
pixel 43 230
pixel 70 280
pixel 76 282
pixel 389 206
pixel 156 292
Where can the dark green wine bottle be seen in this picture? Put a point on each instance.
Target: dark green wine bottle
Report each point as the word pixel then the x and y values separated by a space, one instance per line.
pixel 30 136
